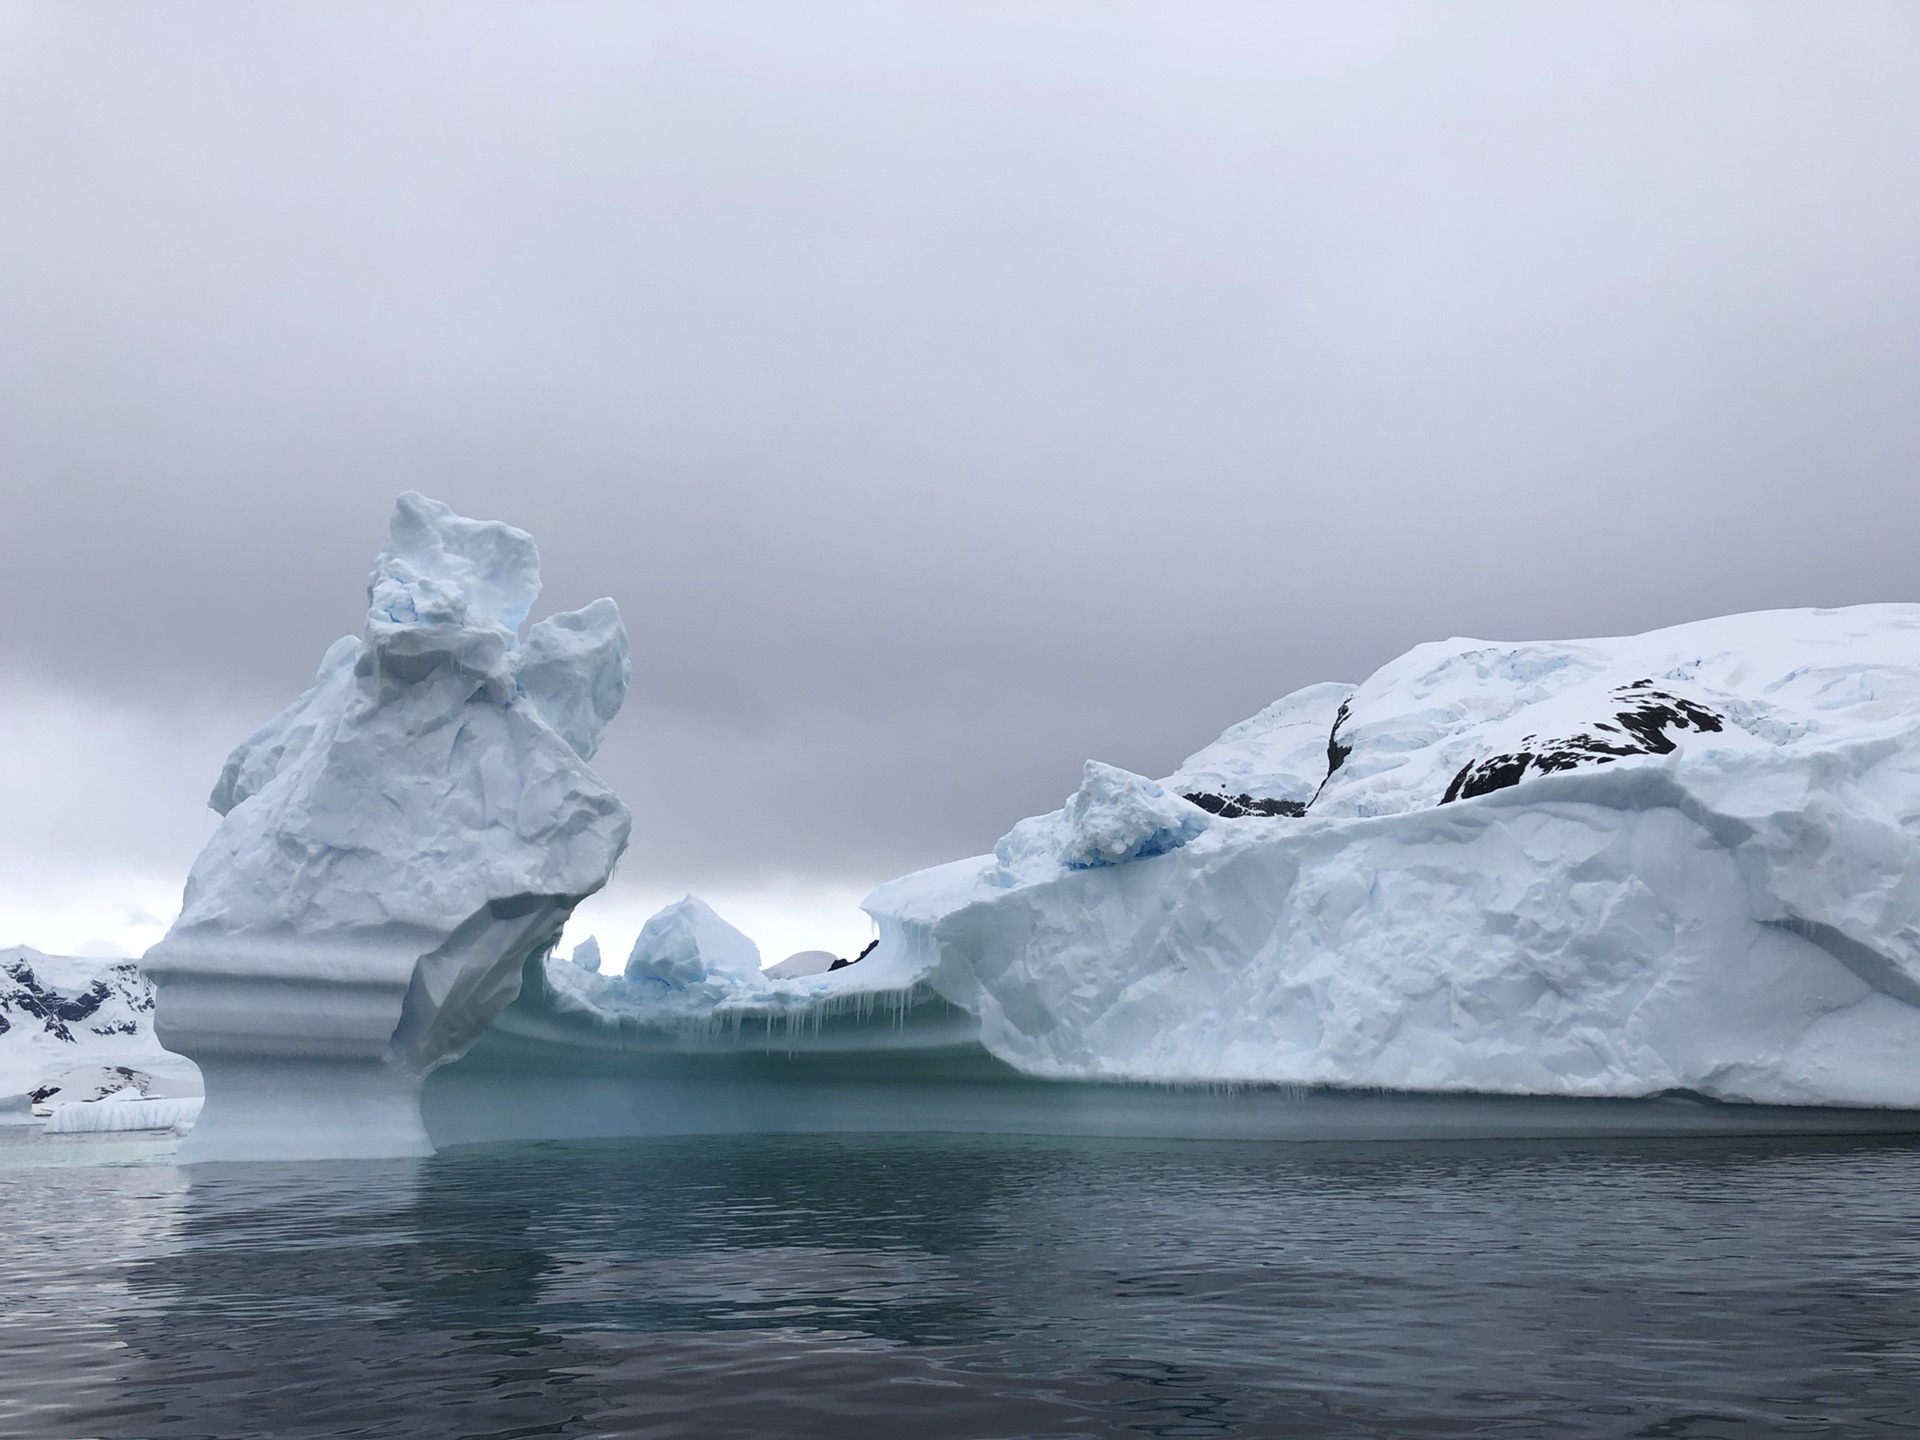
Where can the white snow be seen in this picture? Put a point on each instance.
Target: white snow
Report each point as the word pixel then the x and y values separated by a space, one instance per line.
pixel 1280 754
pixel 1682 860
pixel 396 844
pixel 124 1112
pixel 77 1028
pixel 802 963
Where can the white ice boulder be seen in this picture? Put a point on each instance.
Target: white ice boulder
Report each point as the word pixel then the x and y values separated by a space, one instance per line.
pixel 686 964
pixel 688 945
pixel 396 845
pixel 1115 816
pixel 1687 860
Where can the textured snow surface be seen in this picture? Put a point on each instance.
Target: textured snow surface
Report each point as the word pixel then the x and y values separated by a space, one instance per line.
pixel 407 833
pixel 1682 860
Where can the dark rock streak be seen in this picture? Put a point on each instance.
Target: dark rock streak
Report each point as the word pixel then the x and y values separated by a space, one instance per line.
pixel 1639 727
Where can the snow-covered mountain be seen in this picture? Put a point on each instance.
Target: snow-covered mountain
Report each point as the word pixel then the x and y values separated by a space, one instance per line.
pixel 75 1029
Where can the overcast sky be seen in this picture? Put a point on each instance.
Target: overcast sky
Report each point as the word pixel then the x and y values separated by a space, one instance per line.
pixel 946 392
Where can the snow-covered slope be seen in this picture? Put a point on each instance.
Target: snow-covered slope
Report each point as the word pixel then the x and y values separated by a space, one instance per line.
pixel 1683 860
pixel 1269 765
pixel 77 1030
pixel 395 845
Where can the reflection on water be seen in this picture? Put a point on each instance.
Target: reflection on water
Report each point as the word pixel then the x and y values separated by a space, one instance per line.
pixel 944 1287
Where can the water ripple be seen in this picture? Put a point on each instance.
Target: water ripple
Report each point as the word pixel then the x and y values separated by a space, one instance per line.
pixel 950 1287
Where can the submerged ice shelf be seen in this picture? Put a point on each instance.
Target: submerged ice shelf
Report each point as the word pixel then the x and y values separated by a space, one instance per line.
pixel 1495 888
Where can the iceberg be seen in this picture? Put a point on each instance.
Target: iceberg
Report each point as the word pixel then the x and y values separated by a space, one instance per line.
pixel 1663 884
pixel 124 1111
pixel 1686 861
pixel 1666 883
pixel 394 847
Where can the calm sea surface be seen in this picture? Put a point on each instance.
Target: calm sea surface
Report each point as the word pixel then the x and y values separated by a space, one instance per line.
pixel 941 1287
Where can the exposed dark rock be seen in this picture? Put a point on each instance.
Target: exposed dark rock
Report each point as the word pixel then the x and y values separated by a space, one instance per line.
pixel 1336 752
pixel 1639 726
pixel 1233 807
pixel 23 992
pixel 47 1005
pixel 843 962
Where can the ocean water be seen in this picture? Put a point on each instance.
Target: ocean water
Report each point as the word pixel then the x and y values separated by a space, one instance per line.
pixel 818 1286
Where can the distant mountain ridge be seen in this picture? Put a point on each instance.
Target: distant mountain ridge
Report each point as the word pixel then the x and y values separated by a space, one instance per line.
pixel 79 1028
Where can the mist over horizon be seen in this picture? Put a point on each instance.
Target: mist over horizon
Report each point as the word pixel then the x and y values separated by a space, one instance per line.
pixel 946 397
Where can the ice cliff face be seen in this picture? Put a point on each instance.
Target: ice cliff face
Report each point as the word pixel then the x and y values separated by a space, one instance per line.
pixel 396 844
pixel 1682 860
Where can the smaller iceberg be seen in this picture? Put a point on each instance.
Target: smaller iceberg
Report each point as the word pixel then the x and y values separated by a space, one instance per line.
pixel 394 846
pixel 125 1110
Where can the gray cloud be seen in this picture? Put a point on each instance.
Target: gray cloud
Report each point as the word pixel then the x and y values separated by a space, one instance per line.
pixel 946 392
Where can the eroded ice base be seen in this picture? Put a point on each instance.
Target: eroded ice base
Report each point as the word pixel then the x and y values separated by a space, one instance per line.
pixel 908 1061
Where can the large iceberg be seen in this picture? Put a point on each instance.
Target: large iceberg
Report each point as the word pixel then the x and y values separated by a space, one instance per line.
pixel 395 846
pixel 1682 861
pixel 1667 883
pixel 1662 884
